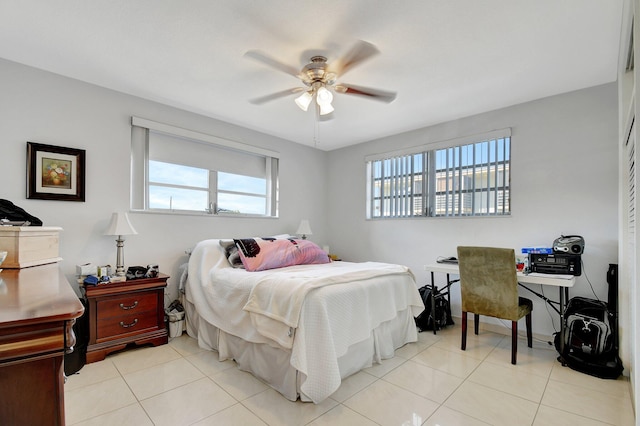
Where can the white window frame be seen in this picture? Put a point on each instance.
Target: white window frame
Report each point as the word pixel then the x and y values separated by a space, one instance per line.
pixel 140 182
pixel 416 184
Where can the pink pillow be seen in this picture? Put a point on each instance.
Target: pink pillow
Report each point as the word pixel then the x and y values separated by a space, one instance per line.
pixel 259 254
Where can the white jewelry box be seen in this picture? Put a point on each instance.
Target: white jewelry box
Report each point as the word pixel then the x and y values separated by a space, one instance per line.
pixel 29 245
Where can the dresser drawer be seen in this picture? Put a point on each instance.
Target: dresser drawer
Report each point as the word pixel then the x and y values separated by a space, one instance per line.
pixel 125 324
pixel 128 304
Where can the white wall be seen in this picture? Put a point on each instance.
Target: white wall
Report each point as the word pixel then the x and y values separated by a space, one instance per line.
pixel 564 181
pixel 46 108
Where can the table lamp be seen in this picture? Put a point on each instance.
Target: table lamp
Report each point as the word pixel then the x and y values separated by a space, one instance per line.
pixel 304 229
pixel 120 226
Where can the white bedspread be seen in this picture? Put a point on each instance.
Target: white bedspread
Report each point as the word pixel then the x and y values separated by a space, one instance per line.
pixel 280 293
pixel 320 324
pixel 277 295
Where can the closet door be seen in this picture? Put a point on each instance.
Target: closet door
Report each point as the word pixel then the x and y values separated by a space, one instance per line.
pixel 631 204
pixel 629 244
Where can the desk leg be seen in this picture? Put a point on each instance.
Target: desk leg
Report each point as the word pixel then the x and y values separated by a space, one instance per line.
pixel 564 295
pixel 433 302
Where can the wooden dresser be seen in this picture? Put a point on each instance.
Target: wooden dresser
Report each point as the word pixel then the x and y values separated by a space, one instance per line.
pixel 124 313
pixel 37 310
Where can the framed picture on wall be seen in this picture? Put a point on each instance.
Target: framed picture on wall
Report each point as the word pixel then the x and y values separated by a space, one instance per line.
pixel 55 172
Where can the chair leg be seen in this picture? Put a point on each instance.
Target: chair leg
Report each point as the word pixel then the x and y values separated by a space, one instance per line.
pixel 514 341
pixel 476 323
pixel 463 346
pixel 529 332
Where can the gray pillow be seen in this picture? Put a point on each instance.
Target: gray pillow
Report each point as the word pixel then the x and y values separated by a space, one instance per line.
pixel 231 253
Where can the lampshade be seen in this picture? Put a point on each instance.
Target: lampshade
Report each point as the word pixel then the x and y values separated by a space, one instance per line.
pixel 120 225
pixel 324 96
pixel 326 109
pixel 324 99
pixel 304 229
pixel 304 100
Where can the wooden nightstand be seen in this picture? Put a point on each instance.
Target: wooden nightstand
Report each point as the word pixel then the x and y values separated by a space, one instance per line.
pixel 129 312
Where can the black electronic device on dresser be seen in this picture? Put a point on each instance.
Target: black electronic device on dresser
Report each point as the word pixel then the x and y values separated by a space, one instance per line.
pixel 556 263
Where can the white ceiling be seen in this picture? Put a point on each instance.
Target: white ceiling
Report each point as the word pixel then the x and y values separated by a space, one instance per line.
pixel 445 59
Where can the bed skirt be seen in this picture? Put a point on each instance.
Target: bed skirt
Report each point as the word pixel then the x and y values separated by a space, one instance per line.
pixel 271 363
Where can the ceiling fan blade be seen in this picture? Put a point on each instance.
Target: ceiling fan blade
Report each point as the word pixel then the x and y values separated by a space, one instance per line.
pixel 360 52
pixel 276 95
pixel 376 94
pixel 273 63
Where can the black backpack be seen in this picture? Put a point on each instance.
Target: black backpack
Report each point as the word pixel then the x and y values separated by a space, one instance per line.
pixel 590 344
pixel 442 315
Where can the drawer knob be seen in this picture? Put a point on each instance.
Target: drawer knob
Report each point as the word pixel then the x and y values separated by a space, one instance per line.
pixel 123 325
pixel 122 306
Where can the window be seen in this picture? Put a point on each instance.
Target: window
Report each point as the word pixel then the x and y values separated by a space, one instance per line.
pixel 466 177
pixel 178 170
pixel 237 193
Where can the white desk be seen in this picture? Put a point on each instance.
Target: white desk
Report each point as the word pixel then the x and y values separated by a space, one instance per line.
pixel 563 282
pixel 534 278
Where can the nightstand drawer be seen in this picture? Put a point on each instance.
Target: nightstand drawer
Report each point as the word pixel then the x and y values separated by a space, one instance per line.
pixel 114 326
pixel 126 305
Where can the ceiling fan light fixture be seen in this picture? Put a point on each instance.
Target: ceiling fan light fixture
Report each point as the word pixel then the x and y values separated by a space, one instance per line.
pixel 324 97
pixel 304 100
pixel 326 109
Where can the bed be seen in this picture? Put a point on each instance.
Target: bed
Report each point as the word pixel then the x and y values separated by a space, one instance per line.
pixel 300 328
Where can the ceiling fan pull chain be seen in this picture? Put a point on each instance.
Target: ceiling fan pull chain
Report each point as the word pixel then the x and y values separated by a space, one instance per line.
pixel 316 128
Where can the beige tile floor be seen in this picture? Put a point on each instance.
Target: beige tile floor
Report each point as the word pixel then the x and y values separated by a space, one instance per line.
pixel 431 382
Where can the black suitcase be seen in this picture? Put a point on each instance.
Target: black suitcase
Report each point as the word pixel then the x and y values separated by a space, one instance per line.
pixel 589 335
pixel 591 341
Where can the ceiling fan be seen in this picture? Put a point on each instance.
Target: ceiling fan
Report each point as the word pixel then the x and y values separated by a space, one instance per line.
pixel 320 79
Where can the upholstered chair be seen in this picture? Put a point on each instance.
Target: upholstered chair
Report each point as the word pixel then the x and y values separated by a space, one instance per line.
pixel 489 286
